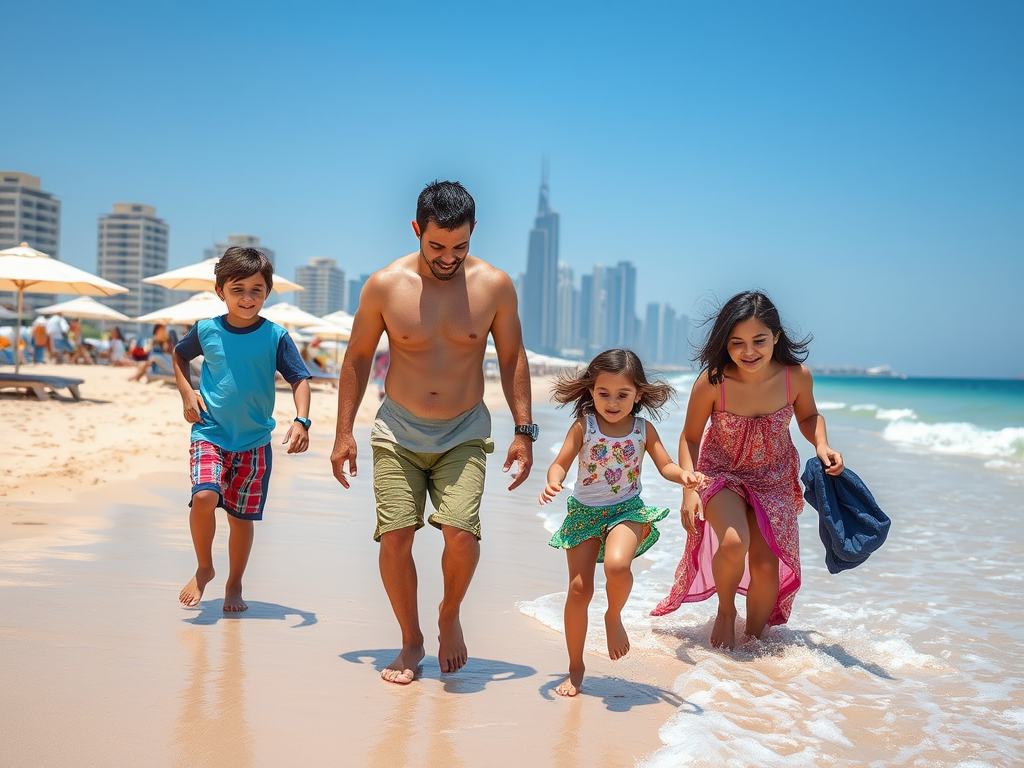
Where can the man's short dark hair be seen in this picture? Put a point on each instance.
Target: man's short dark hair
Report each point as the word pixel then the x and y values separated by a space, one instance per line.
pixel 239 263
pixel 447 204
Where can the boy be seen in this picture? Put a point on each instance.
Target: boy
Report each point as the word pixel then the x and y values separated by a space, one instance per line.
pixel 231 415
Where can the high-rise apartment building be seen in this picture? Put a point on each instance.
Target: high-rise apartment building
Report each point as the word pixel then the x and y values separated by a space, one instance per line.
pixel 620 285
pixel 325 287
pixel 28 214
pixel 242 241
pixel 539 300
pixel 355 287
pixel 131 245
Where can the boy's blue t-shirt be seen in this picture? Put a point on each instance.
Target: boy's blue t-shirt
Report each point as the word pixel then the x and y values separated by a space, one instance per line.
pixel 237 382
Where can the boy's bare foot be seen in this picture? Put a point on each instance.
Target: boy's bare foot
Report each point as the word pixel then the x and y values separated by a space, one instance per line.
pixel 192 592
pixel 451 653
pixel 618 640
pixel 402 670
pixel 573 684
pixel 233 601
pixel 723 634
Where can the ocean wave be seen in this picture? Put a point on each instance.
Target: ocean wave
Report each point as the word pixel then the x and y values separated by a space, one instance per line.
pixel 959 438
pixel 827 406
pixel 894 414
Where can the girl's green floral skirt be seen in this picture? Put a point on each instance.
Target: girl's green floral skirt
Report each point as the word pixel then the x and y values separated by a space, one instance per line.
pixel 583 522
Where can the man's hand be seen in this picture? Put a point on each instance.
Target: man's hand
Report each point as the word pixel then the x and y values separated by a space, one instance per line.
pixel 344 451
pixel 297 438
pixel 520 452
pixel 193 406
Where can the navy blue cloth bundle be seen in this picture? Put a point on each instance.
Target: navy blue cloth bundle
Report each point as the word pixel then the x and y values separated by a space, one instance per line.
pixel 851 525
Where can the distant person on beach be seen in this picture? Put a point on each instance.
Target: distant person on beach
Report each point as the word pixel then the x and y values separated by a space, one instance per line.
pixel 607 521
pixel 159 346
pixel 751 386
pixel 432 432
pixel 232 415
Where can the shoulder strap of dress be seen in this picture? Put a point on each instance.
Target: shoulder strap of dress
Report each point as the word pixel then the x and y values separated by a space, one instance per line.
pixel 721 388
pixel 788 402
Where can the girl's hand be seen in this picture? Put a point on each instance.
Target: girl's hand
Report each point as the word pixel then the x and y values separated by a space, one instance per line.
pixel 692 507
pixel 691 479
pixel 833 460
pixel 548 494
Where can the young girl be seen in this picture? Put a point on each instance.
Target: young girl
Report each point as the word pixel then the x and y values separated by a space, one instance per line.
pixel 751 385
pixel 607 521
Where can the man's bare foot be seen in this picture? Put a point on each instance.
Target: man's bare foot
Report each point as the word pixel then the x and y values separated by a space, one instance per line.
pixel 233 601
pixel 192 592
pixel 618 640
pixel 723 634
pixel 451 652
pixel 402 670
pixel 573 684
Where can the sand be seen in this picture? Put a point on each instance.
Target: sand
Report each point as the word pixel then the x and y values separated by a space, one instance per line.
pixel 100 664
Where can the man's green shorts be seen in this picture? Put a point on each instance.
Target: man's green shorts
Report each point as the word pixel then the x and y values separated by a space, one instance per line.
pixel 402 479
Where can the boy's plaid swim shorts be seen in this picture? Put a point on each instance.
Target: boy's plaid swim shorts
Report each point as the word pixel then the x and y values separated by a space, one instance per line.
pixel 240 477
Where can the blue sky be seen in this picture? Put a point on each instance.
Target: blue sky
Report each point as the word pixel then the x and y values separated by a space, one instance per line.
pixel 861 161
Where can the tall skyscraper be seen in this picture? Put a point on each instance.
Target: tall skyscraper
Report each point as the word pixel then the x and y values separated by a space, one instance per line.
pixel 539 300
pixel 132 244
pixel 567 330
pixel 652 334
pixel 30 215
pixel 598 334
pixel 620 284
pixel 324 284
pixel 586 302
pixel 242 241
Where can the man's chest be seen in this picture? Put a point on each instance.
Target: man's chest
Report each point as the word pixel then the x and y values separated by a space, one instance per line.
pixel 432 316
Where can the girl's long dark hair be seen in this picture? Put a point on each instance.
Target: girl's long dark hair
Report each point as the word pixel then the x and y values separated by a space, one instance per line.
pixel 575 387
pixel 713 354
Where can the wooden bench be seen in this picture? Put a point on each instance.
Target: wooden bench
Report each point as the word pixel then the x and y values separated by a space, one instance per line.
pixel 39 384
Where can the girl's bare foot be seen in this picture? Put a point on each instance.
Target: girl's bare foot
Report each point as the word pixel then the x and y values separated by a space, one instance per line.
pixel 572 685
pixel 402 670
pixel 233 600
pixel 618 640
pixel 723 634
pixel 192 592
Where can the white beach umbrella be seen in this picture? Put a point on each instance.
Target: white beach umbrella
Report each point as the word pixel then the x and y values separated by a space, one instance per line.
pixel 200 277
pixel 289 316
pixel 328 332
pixel 341 317
pixel 24 269
pixel 83 307
pixel 199 307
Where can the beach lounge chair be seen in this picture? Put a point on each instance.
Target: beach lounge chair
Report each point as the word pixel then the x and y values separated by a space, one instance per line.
pixel 39 384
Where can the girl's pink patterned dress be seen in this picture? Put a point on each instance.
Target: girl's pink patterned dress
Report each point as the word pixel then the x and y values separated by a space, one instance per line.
pixel 754 457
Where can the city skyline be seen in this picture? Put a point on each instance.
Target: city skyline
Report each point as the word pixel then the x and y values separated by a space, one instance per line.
pixel 858 161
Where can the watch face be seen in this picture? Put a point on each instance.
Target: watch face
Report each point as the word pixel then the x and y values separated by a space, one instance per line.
pixel 528 429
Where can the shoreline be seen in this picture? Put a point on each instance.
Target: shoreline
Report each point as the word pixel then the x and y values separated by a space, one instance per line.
pixel 105 680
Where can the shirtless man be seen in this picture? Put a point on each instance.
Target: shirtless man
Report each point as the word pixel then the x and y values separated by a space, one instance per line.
pixel 432 432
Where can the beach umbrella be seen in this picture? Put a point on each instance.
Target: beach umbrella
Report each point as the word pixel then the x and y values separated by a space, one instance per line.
pixel 331 332
pixel 200 277
pixel 289 316
pixel 8 314
pixel 24 269
pixel 198 307
pixel 83 307
pixel 341 317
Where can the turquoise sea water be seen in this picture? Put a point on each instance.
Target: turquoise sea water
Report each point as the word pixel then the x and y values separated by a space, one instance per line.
pixel 912 658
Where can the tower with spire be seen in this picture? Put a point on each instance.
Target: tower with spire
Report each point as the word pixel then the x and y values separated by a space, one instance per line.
pixel 539 302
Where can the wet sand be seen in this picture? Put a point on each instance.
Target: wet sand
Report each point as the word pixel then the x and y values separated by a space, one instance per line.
pixel 101 665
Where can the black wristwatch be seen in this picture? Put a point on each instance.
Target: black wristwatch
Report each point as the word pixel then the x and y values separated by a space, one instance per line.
pixel 531 430
pixel 304 422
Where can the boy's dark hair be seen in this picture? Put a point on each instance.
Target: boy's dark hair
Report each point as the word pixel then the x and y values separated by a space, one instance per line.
pixel 239 263
pixel 713 354
pixel 576 387
pixel 447 204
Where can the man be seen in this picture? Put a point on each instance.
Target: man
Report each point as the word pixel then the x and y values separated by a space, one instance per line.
pixel 432 431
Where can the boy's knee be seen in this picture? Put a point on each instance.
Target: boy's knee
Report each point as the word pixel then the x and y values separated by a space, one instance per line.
pixel 205 500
